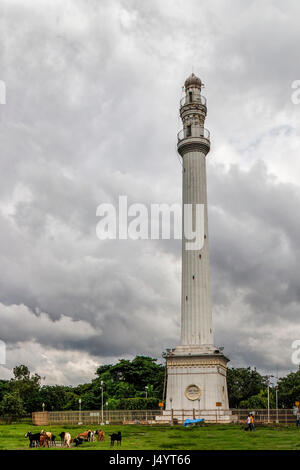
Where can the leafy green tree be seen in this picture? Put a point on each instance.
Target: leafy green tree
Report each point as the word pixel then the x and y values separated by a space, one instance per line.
pixel 242 384
pixel 58 397
pixel 259 401
pixel 128 379
pixel 28 388
pixel 89 401
pixel 289 390
pixel 12 405
pixel 21 372
pixel 4 388
pixel 113 404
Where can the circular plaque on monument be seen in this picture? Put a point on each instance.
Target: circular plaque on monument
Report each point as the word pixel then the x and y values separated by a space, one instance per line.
pixel 193 392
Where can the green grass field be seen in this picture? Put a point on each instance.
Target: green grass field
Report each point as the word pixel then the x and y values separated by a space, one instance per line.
pixel 134 437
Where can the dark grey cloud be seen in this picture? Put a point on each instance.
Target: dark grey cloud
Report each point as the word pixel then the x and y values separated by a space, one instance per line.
pixel 91 114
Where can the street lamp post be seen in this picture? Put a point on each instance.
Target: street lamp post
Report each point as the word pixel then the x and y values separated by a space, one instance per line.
pixel 268 401
pixel 268 377
pixel 79 401
pixel 276 398
pixel 146 388
pixel 107 420
pixel 102 385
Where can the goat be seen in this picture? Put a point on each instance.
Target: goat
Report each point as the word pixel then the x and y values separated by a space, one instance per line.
pixel 34 439
pixel 49 435
pixel 115 437
pixel 78 441
pixel 86 435
pixel 62 437
pixel 67 439
pixel 44 440
pixel 100 434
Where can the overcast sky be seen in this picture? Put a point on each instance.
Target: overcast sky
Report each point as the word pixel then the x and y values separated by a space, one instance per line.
pixel 91 113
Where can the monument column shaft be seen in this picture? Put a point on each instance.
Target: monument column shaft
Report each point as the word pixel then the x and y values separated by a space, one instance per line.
pixel 196 311
pixel 196 369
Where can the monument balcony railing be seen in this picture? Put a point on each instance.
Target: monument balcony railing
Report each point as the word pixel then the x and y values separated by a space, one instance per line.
pixel 200 99
pixel 192 132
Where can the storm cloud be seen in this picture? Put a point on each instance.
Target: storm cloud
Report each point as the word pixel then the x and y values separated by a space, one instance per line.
pixel 91 113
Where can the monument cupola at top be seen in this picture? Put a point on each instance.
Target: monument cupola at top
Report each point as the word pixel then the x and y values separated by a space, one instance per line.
pixel 193 112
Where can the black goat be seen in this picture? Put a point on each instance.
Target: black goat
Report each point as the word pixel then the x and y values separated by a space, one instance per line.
pixel 115 437
pixel 34 439
pixel 78 441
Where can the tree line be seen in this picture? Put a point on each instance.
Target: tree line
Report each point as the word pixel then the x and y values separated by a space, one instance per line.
pixel 133 384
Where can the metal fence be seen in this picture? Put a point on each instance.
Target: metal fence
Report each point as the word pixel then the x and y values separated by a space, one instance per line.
pixel 281 416
pixel 152 417
pixel 95 417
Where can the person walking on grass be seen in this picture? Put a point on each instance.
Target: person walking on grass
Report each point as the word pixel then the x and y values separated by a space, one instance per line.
pixel 252 427
pixel 249 423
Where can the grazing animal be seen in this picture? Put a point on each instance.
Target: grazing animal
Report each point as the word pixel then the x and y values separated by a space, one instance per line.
pixel 62 437
pixel 115 437
pixel 100 434
pixel 34 439
pixel 48 434
pixel 67 439
pixel 53 443
pixel 44 440
pixel 78 441
pixel 86 435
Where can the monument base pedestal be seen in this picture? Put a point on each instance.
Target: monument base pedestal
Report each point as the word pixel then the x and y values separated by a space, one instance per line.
pixel 196 382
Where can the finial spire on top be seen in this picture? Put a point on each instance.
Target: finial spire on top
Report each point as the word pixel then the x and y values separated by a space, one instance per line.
pixel 193 80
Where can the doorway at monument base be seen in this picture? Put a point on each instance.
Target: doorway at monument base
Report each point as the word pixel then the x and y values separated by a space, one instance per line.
pixel 197 381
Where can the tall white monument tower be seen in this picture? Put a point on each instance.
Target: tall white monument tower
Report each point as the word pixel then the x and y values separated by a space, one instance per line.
pixel 196 370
